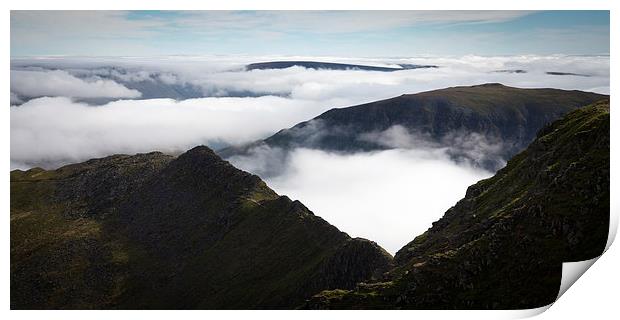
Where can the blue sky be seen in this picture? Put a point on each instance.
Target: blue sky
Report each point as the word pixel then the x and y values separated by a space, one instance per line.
pixel 325 33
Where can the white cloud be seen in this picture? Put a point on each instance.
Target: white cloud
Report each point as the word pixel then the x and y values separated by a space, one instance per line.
pixel 388 196
pixel 472 148
pixel 51 130
pixel 339 21
pixel 86 28
pixel 396 137
pixel 37 83
pixel 220 75
pixel 362 86
pixel 32 26
pixel 57 130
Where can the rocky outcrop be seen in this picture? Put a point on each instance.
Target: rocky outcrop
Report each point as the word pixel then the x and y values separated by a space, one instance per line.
pixel 152 231
pixel 342 267
pixel 503 245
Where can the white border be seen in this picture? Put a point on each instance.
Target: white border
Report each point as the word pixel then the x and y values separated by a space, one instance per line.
pixel 594 294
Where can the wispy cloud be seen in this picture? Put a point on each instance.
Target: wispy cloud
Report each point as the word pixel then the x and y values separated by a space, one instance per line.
pixel 191 32
pixel 54 131
pixel 38 83
pixel 108 24
pixel 222 76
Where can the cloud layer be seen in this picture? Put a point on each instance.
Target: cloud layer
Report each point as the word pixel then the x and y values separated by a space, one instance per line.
pixel 224 76
pixel 54 131
pixel 390 196
pixel 38 83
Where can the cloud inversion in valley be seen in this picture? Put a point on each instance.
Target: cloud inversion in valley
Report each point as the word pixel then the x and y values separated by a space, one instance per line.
pixel 69 126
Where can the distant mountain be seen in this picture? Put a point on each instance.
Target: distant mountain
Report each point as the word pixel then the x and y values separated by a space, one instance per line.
pixel 511 71
pixel 503 245
pixel 330 66
pixel 555 73
pixel 151 84
pixel 152 231
pixel 484 124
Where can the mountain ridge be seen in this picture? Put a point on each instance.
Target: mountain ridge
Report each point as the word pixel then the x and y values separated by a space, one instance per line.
pixel 500 119
pixel 152 231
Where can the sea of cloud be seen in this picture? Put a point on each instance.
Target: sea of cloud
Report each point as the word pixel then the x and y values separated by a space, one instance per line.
pixel 40 83
pixel 220 76
pixel 53 131
pixel 51 124
pixel 388 196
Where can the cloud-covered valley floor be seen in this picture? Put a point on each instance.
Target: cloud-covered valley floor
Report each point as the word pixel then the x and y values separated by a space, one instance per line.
pixel 66 110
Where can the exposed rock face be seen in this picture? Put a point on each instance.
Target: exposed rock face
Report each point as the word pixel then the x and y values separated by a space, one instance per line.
pixel 503 245
pixel 499 120
pixel 154 231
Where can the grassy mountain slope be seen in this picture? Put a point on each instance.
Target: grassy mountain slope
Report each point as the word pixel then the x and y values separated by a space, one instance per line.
pixel 154 231
pixel 503 244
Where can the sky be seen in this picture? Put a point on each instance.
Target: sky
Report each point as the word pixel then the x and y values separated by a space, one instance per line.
pixel 341 33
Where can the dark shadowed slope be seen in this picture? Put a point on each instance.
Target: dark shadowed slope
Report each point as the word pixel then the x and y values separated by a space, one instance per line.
pixel 329 66
pixel 503 245
pixel 497 120
pixel 153 231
